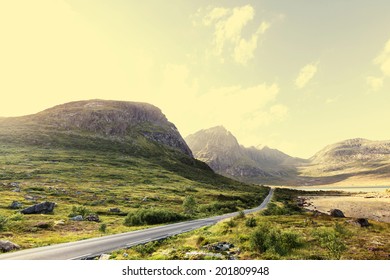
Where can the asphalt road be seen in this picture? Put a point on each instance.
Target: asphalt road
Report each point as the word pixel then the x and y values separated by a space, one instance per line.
pixel 89 248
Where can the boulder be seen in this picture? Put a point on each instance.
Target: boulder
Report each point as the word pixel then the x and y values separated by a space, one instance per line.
pixel 362 222
pixel 104 257
pixel 115 210
pixel 16 205
pixel 77 218
pixel 337 213
pixel 6 246
pixel 92 218
pixel 40 208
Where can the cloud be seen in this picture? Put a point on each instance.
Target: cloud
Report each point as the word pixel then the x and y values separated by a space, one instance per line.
pixel 375 83
pixel 383 60
pixel 228 27
pixel 305 75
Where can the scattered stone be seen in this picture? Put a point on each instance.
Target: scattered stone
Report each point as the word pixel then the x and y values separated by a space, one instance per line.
pixel 362 222
pixel 337 213
pixel 77 218
pixel 40 208
pixel 125 255
pixel 29 197
pixel 219 247
pixel 92 218
pixel 16 205
pixel 6 246
pixel 104 257
pixel 14 185
pixel 16 189
pixel 60 222
pixel 145 199
pixel 115 210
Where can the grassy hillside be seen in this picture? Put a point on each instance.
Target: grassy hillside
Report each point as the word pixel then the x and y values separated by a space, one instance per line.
pixel 85 172
pixel 282 231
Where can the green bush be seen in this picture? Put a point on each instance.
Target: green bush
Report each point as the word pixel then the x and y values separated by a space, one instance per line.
pixel 332 240
pixel 103 228
pixel 151 217
pixel 16 217
pixel 268 239
pixel 79 210
pixel 189 204
pixel 3 222
pixel 251 222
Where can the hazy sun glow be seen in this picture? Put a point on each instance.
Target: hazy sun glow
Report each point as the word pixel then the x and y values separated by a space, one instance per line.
pixel 292 75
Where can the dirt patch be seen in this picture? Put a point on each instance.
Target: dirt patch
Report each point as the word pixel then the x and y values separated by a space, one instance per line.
pixel 373 206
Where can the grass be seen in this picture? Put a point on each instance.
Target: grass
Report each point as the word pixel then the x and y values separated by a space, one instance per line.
pixel 82 180
pixel 300 235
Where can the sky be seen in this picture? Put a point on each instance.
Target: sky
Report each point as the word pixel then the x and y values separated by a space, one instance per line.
pixel 293 75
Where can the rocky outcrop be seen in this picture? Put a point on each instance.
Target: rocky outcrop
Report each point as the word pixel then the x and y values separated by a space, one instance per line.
pixel 16 205
pixel 6 246
pixel 41 208
pixel 221 151
pixel 337 213
pixel 115 119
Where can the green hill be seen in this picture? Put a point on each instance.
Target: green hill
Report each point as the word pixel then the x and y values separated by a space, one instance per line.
pixel 95 156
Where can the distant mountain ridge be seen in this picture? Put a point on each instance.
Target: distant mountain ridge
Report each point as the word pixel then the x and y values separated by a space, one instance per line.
pixel 221 151
pixel 349 161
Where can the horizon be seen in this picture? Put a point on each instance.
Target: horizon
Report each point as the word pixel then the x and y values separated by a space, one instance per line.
pixel 292 76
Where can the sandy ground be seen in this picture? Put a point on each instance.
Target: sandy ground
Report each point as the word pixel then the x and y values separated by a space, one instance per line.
pixel 373 206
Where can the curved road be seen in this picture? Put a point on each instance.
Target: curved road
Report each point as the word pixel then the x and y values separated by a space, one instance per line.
pixel 90 248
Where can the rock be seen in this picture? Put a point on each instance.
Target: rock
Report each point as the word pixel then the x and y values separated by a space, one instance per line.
pixel 145 199
pixel 115 210
pixel 60 222
pixel 40 208
pixel 14 185
pixel 92 218
pixel 77 218
pixel 16 205
pixel 104 257
pixel 362 222
pixel 125 255
pixel 6 246
pixel 337 213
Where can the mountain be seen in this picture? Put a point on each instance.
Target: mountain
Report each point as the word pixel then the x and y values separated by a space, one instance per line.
pixel 350 162
pixel 353 161
pixel 221 151
pixel 106 158
pixel 115 120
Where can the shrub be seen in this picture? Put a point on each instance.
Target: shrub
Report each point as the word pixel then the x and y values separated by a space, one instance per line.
pixel 79 210
pixel 268 239
pixel 146 249
pixel 241 215
pixel 103 228
pixel 251 222
pixel 189 204
pixel 3 222
pixel 331 239
pixel 151 217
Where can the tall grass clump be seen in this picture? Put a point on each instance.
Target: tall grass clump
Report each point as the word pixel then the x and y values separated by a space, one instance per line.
pixel 152 217
pixel 266 238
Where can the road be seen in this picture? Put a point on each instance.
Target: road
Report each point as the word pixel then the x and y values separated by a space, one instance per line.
pixel 89 248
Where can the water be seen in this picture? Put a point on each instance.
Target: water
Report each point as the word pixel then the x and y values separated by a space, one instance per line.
pixel 347 189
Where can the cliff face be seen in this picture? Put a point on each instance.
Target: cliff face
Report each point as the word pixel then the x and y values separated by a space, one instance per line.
pixel 222 152
pixel 111 119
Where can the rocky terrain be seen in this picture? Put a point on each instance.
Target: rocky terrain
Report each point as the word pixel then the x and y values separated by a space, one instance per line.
pixel 350 162
pixel 119 120
pixel 222 152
